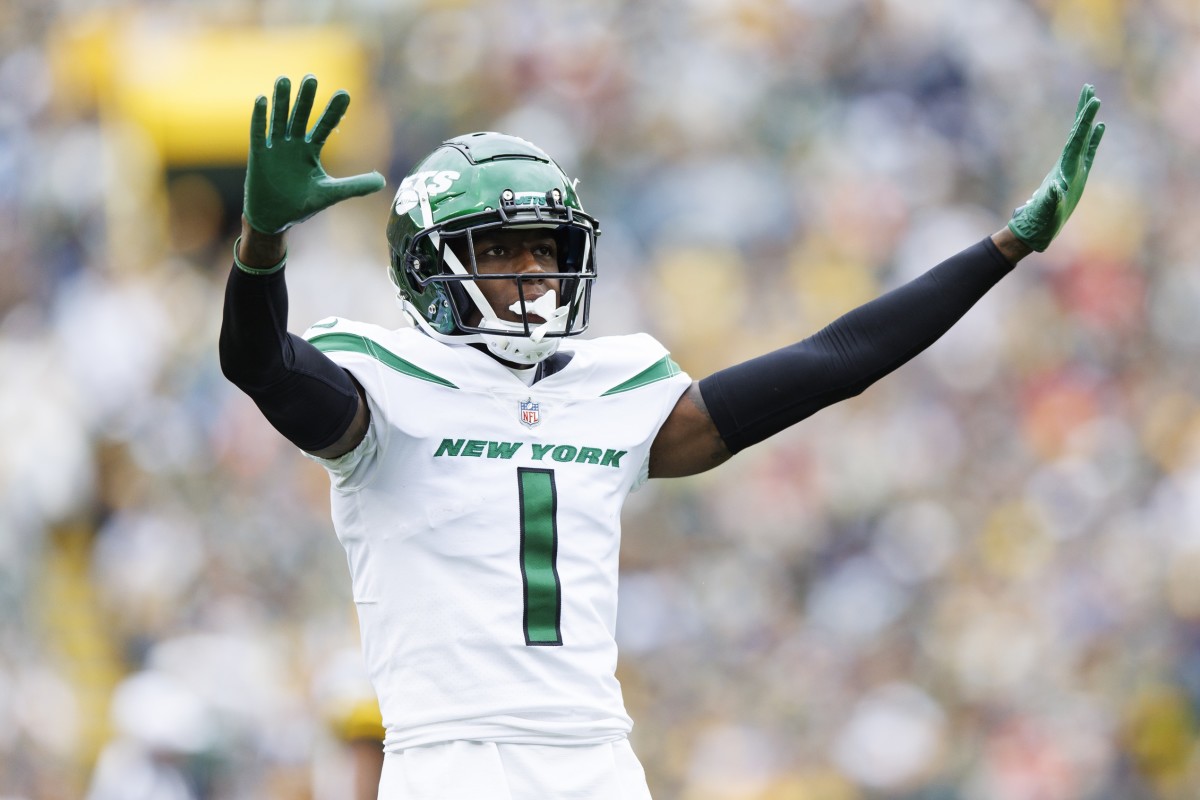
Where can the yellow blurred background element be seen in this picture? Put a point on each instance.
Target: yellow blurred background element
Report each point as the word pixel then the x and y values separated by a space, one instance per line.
pixel 174 101
pixel 191 90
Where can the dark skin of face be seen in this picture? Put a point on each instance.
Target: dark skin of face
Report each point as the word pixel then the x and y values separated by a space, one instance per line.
pixel 518 251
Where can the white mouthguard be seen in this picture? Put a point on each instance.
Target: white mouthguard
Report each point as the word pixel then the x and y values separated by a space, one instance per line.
pixel 547 308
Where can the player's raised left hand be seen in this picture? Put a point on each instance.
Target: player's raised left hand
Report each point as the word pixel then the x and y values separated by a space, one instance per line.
pixel 285 181
pixel 1040 219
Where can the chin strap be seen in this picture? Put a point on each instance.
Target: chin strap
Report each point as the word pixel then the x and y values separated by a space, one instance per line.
pixel 520 350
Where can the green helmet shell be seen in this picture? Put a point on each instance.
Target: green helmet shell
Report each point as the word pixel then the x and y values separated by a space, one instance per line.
pixel 483 180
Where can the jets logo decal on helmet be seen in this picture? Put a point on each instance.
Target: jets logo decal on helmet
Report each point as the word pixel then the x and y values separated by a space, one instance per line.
pixel 528 199
pixel 429 184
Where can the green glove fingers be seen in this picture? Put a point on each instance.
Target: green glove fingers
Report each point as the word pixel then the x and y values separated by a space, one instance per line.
pixel 334 112
pixel 279 109
pixel 1040 219
pixel 285 181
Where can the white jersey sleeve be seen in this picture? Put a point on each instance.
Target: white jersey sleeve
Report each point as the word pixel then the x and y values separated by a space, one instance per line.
pixel 481 522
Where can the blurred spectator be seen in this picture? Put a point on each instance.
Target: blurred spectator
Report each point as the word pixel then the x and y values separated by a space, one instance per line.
pixel 159 725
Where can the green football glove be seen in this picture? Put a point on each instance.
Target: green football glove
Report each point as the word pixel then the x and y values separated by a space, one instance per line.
pixel 285 182
pixel 1041 218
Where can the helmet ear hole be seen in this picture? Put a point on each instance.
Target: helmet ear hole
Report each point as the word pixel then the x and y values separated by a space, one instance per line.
pixel 423 259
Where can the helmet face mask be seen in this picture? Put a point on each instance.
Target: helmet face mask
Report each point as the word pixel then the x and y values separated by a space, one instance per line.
pixel 473 186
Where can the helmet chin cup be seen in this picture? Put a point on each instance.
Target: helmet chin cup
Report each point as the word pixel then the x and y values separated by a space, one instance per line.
pixel 537 346
pixel 520 349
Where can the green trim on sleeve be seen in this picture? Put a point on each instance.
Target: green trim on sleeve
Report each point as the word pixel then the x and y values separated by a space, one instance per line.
pixel 354 343
pixel 660 371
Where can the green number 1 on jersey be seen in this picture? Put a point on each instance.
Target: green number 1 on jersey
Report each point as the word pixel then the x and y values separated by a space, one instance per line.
pixel 539 552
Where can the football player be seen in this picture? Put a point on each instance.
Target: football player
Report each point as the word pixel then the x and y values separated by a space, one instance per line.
pixel 480 456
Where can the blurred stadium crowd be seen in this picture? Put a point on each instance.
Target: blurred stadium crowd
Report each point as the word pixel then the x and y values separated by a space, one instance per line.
pixel 980 579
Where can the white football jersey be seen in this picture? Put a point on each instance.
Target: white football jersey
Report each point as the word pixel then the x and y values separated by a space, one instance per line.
pixel 481 522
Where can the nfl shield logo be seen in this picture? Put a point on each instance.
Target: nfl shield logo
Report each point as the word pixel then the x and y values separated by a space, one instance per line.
pixel 529 412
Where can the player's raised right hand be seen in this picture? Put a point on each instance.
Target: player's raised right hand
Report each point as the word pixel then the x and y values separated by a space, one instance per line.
pixel 285 181
pixel 1039 220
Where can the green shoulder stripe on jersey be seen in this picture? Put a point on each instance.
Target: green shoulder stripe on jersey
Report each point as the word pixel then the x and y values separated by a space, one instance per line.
pixel 353 343
pixel 658 372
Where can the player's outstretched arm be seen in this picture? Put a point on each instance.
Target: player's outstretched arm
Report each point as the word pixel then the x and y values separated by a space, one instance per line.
pixel 745 404
pixel 305 395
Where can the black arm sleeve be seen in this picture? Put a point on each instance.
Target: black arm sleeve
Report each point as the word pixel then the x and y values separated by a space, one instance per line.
pixel 300 390
pixel 761 397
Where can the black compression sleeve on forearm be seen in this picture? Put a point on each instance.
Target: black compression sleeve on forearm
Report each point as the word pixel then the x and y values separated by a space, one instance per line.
pixel 761 397
pixel 300 390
